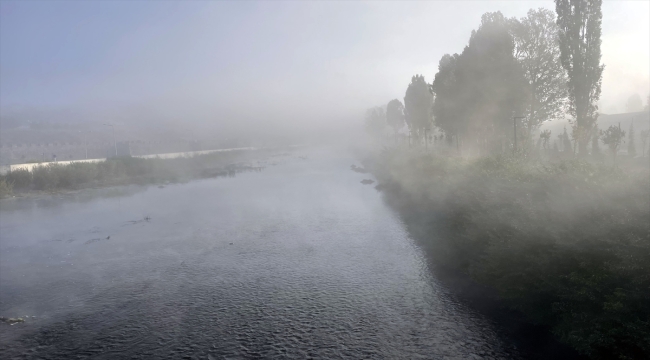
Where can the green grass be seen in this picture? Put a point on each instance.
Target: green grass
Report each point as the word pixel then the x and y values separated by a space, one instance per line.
pixel 567 243
pixel 117 171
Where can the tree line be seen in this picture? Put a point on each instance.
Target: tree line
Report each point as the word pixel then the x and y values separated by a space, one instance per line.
pixel 512 76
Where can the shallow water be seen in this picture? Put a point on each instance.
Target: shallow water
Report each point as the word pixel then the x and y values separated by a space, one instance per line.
pixel 298 261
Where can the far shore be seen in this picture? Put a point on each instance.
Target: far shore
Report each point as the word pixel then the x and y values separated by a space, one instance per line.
pixel 159 169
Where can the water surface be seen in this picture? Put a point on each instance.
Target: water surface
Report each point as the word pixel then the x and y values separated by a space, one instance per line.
pixel 298 261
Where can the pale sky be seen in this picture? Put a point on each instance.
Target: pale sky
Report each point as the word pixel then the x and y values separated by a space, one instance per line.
pixel 244 61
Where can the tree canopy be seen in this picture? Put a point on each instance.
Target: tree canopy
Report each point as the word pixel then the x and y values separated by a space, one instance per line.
pixel 579 24
pixel 395 115
pixel 446 107
pixel 418 103
pixel 479 91
pixel 537 49
pixel 613 138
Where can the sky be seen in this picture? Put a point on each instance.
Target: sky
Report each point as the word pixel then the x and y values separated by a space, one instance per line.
pixel 247 62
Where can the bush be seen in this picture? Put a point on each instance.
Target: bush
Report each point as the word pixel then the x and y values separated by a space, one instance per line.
pixel 45 177
pixel 566 243
pixel 5 188
pixel 20 179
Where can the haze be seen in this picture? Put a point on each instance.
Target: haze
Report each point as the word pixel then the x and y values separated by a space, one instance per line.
pixel 325 180
pixel 288 64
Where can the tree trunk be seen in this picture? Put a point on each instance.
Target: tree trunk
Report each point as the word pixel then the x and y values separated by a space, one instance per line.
pixel 582 146
pixel 584 125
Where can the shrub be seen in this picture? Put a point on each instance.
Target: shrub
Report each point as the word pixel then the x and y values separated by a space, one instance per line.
pixel 20 179
pixel 44 177
pixel 565 243
pixel 5 188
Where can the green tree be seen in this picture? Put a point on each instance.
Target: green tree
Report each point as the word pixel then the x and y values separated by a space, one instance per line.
pixel 579 24
pixel 479 91
pixel 395 116
pixel 375 121
pixel 631 147
pixel 613 137
pixel 447 109
pixel 538 51
pixel 418 103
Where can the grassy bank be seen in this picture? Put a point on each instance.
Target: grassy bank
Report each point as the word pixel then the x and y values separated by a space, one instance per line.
pixel 567 244
pixel 122 171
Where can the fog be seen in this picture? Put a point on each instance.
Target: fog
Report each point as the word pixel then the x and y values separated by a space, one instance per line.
pixel 283 64
pixel 387 180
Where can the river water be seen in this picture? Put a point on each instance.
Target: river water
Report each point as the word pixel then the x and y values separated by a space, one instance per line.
pixel 298 261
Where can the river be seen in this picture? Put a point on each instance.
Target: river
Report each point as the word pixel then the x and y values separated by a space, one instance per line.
pixel 298 261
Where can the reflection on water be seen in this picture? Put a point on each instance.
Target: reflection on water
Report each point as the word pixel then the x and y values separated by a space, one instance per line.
pixel 300 260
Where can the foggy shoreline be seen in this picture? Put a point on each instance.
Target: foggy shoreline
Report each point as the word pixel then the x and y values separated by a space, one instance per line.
pixel 53 178
pixel 511 240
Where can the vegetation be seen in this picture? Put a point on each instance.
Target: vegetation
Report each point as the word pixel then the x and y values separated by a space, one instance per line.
pixel 375 121
pixel 417 107
pixel 478 91
pixel 579 37
pixel 613 137
pixel 395 116
pixel 545 137
pixel 537 50
pixel 119 171
pixel 6 189
pixel 595 142
pixel 566 243
pixel 563 240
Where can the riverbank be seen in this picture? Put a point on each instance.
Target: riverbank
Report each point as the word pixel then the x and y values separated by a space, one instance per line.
pixel 565 244
pixel 131 170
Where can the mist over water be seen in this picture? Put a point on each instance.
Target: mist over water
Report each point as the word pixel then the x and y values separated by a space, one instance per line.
pixel 385 180
pixel 299 260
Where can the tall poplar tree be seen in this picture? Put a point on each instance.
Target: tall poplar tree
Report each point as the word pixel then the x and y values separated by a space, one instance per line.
pixel 579 23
